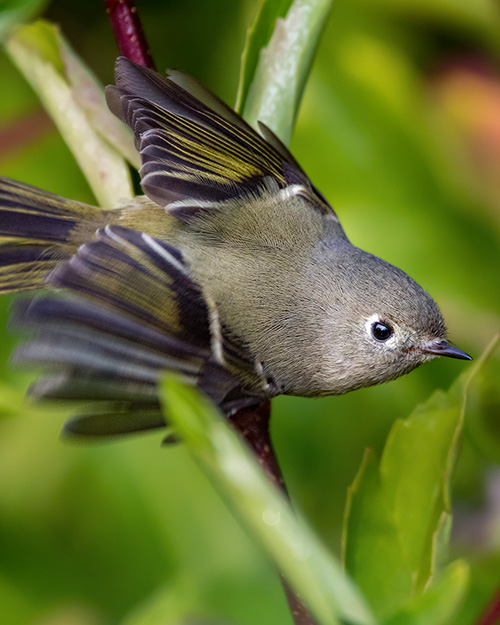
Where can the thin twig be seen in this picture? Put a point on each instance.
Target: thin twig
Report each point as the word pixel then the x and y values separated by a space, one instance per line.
pixel 251 423
pixel 128 32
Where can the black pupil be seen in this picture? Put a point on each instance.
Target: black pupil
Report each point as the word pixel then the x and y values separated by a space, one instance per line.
pixel 381 331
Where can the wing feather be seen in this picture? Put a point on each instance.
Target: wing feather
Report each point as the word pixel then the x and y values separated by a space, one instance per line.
pixel 194 147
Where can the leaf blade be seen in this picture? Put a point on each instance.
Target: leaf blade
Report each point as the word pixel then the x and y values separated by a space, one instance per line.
pixel 441 602
pixel 398 514
pixel 258 35
pixel 34 49
pixel 279 79
pixel 314 574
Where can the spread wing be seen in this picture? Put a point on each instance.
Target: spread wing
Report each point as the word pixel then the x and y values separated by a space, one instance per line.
pixel 194 149
pixel 131 313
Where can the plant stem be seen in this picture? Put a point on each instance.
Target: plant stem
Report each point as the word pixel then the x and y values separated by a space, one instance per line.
pixel 128 32
pixel 253 425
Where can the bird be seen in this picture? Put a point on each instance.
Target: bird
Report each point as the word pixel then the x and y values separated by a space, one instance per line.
pixel 232 270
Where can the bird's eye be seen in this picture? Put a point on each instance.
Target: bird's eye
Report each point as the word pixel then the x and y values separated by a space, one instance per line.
pixel 381 331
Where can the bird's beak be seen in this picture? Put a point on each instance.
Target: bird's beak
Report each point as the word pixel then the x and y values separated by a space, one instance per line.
pixel 443 348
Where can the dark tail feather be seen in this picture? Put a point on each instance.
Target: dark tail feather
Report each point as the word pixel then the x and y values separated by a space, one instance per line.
pixel 37 230
pixel 131 313
pixel 107 362
pixel 124 419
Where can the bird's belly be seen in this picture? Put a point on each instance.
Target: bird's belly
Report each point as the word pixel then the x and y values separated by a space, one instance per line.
pixel 266 304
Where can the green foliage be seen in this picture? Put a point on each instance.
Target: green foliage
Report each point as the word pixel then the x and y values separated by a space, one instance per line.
pixel 76 104
pixel 439 604
pixel 483 425
pixel 399 513
pixel 304 562
pixel 258 36
pixel 398 139
pixel 271 93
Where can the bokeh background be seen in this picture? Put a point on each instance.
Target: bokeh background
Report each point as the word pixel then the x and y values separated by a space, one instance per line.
pixel 400 129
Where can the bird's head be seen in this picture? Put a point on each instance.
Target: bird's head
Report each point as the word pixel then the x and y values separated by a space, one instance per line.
pixel 383 324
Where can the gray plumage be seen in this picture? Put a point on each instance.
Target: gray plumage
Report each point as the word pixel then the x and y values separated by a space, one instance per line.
pixel 233 271
pixel 287 282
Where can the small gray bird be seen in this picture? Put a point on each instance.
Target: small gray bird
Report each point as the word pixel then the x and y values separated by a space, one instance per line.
pixel 233 271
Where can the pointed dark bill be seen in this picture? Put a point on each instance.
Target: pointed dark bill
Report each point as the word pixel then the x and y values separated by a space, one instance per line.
pixel 443 348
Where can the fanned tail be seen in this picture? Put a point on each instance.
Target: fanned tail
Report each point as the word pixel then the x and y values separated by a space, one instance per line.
pixel 37 230
pixel 132 312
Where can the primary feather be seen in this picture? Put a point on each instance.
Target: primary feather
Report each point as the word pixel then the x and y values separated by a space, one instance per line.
pixel 192 146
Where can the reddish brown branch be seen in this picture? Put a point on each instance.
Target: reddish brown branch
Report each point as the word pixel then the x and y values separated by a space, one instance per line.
pixel 253 425
pixel 491 615
pixel 128 32
pixel 299 611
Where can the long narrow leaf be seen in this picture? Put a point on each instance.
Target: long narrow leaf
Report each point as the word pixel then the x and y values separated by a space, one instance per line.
pixel 314 574
pixel 258 36
pixel 440 603
pixel 283 67
pixel 91 99
pixel 35 51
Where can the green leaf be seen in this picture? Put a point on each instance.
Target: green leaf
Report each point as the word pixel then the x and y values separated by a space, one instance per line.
pixel 36 51
pixel 398 512
pixel 13 12
pixel 314 574
pixel 280 75
pixel 258 36
pixel 440 603
pixel 91 99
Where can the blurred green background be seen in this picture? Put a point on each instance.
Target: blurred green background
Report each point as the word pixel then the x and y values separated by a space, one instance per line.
pixel 400 129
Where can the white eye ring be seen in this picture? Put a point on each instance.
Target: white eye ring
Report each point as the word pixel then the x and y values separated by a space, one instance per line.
pixel 375 325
